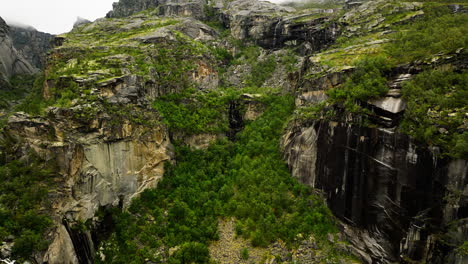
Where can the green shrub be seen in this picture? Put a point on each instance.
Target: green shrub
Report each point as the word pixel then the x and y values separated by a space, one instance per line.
pixel 23 194
pixel 437 100
pixel 244 253
pixel 438 31
pixel 463 249
pixel 367 81
pixel 191 252
pixel 17 89
pixel 195 113
pixel 261 71
pixel 34 102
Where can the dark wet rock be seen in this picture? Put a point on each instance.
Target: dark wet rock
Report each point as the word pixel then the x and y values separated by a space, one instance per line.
pixel 353 3
pixel 273 26
pixel 388 190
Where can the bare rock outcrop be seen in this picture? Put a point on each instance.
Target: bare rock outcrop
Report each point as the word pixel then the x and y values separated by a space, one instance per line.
pixel 31 44
pixel 189 8
pixel 384 187
pixel 11 61
pixel 274 26
pixel 100 162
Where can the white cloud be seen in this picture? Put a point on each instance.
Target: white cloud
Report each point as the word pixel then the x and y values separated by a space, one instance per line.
pixel 52 16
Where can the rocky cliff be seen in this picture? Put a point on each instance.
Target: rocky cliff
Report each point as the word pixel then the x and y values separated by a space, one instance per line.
pixel 31 44
pixel 11 61
pixel 100 164
pixel 390 192
pixel 164 8
pixel 198 91
pixel 106 142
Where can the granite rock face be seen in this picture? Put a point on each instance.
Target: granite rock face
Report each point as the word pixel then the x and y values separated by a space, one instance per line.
pixel 365 16
pixel 191 8
pixel 274 26
pixel 392 194
pixel 11 61
pixel 33 45
pixel 386 187
pixel 268 25
pixel 100 164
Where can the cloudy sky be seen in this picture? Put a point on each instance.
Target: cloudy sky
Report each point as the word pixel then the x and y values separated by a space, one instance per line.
pixel 54 16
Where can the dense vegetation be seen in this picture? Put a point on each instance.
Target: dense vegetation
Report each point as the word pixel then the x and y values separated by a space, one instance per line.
pixel 200 113
pixel 23 207
pixel 261 66
pixel 18 86
pixel 437 33
pixel 12 95
pixel 245 179
pixel 367 81
pixel 437 101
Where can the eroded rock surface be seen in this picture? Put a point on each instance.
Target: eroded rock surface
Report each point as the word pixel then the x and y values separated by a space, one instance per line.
pixel 11 61
pixel 274 26
pixel 33 45
pixel 395 198
pixel 193 8
pixel 101 163
pixel 380 182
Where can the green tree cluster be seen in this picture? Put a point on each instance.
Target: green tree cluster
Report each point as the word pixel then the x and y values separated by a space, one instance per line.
pixel 245 179
pixel 437 101
pixel 191 112
pixel 367 81
pixel 23 219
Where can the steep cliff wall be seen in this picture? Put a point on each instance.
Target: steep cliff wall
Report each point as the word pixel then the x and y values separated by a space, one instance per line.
pixel 98 163
pixel 268 25
pixel 31 44
pixel 193 8
pixel 11 61
pixel 273 26
pixel 106 141
pixel 386 186
pixel 399 199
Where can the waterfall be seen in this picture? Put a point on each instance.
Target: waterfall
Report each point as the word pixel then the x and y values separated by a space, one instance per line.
pixel 275 32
